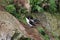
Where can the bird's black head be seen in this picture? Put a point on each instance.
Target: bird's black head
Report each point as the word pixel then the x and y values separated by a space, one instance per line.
pixel 29 17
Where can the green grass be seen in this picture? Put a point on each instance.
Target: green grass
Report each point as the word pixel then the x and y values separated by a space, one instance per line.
pixel 42 32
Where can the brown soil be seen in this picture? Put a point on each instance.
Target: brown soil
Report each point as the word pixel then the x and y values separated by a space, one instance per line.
pixel 32 32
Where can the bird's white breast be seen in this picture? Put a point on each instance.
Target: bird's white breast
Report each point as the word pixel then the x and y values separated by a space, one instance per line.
pixel 27 20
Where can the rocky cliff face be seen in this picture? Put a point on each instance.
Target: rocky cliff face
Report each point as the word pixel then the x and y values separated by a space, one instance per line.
pixel 8 25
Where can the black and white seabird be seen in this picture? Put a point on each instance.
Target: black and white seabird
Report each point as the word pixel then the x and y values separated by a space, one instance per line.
pixel 30 21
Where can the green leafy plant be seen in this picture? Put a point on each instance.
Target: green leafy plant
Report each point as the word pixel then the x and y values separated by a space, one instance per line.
pixel 23 10
pixel 41 31
pixel 52 8
pixel 10 9
pixel 35 5
pixel 44 35
pixel 39 9
pixel 35 2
